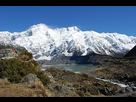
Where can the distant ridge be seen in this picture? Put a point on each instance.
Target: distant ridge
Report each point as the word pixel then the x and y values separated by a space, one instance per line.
pixel 131 53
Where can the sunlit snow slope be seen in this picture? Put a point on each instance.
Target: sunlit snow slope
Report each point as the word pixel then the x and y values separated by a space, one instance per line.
pixel 46 43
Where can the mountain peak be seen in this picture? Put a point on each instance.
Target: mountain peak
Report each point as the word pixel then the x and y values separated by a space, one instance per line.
pixel 39 26
pixel 73 28
pixel 43 26
pixel 68 29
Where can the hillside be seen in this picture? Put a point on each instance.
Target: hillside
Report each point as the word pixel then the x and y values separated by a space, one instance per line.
pixel 131 53
pixel 121 70
pixel 22 77
pixel 14 68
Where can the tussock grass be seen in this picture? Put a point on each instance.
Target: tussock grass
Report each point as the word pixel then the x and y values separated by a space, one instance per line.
pixel 21 90
pixel 35 89
pixel 37 85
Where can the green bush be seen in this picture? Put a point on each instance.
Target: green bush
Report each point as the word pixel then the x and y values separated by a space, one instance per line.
pixel 14 70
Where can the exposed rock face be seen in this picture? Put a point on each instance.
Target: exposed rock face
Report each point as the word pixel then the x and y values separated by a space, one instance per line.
pixel 50 76
pixel 1 55
pixel 8 52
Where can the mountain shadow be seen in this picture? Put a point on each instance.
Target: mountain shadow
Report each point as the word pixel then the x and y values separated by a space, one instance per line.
pixel 131 53
pixel 92 58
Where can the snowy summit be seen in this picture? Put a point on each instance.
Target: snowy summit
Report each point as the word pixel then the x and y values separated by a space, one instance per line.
pixel 45 43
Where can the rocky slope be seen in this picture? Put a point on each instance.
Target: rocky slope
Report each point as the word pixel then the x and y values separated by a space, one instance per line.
pixel 121 70
pixel 10 51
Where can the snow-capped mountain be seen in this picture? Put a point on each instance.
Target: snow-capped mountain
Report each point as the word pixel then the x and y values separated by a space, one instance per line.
pixel 45 43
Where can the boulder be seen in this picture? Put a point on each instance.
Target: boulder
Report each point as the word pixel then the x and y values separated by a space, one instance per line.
pixel 58 87
pixel 122 91
pixel 30 78
pixel 128 90
pixel 50 76
pixel 1 55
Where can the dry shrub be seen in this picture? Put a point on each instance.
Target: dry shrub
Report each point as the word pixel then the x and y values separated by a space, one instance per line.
pixel 37 85
pixel 48 93
pixel 85 71
pixel 24 57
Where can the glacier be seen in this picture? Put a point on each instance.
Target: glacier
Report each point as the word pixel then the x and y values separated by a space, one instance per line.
pixel 45 43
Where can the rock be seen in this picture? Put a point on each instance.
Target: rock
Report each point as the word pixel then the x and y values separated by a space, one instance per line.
pixel 122 91
pixel 33 81
pixel 128 89
pixel 107 90
pixel 98 84
pixel 1 55
pixel 50 76
pixel 126 76
pixel 30 78
pixel 134 89
pixel 58 87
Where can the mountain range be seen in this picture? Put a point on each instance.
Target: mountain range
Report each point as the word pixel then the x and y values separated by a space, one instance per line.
pixel 45 43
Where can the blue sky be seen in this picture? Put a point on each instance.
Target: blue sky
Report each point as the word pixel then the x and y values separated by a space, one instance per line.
pixel 120 19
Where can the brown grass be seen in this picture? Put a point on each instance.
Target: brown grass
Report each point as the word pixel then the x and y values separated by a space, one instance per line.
pixel 37 85
pixel 97 69
pixel 17 90
pixel 108 72
pixel 85 71
pixel 4 82
pixel 21 90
